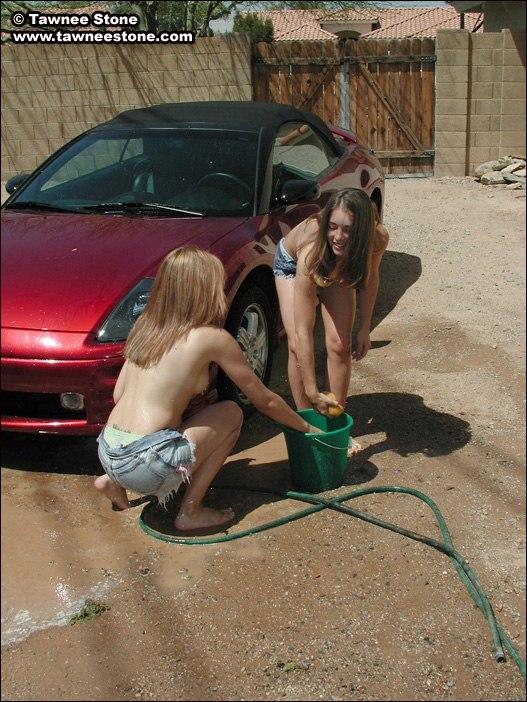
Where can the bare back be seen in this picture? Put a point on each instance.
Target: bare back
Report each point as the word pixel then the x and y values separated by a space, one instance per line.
pixel 301 235
pixel 305 233
pixel 155 398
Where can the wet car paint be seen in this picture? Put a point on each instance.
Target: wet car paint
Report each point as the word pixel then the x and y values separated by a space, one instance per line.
pixel 48 340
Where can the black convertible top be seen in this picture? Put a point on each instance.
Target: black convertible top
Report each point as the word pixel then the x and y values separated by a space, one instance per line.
pixel 263 119
pixel 251 116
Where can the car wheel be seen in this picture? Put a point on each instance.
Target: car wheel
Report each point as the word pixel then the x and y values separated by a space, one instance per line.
pixel 250 322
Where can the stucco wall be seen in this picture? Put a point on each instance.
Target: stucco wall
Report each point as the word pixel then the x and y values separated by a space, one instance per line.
pixel 480 99
pixel 51 93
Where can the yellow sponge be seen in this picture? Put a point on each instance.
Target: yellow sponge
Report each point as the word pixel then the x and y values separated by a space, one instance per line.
pixel 334 411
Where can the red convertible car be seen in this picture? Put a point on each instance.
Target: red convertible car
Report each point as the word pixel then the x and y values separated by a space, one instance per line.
pixel 84 234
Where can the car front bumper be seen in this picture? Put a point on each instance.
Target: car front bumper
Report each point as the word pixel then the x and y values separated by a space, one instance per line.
pixel 31 390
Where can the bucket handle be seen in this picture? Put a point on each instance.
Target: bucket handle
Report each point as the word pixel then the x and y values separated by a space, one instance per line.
pixel 336 448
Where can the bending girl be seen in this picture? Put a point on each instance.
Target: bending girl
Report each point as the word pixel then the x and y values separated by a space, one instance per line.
pixel 145 446
pixel 330 258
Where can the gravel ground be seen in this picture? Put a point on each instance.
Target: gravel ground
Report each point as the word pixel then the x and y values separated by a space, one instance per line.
pixel 326 607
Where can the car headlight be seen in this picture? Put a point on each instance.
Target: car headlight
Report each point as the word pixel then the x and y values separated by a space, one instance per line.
pixel 117 326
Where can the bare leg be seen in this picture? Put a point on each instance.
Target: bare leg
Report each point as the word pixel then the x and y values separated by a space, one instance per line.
pixel 338 314
pixel 285 290
pixel 214 430
pixel 115 493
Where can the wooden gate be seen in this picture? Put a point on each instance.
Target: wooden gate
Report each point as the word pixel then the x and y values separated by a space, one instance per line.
pixel 381 89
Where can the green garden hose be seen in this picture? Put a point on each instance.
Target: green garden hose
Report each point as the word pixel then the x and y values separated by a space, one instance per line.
pixel 466 574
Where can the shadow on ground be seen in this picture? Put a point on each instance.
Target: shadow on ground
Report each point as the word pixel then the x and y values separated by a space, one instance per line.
pixel 408 425
pixel 246 488
pixel 46 453
pixel 398 272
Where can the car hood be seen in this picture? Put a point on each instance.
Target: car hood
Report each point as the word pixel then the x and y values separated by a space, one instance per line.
pixel 63 272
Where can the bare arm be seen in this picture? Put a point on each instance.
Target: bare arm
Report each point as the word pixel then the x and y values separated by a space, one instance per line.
pixel 284 140
pixel 305 306
pixel 368 295
pixel 228 355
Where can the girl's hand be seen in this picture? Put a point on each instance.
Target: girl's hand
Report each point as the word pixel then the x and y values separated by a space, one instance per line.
pixel 313 430
pixel 321 403
pixel 363 345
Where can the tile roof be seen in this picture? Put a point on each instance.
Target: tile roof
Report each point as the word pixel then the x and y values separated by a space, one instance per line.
pixel 290 25
pixel 395 23
pixel 423 23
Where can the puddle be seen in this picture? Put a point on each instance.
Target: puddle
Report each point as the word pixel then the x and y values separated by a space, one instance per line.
pixel 63 551
pixel 62 544
pixel 47 580
pixel 19 623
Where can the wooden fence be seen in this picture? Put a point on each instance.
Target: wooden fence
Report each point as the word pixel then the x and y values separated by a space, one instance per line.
pixel 381 89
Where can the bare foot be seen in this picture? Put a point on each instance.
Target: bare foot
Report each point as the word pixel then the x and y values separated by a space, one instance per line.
pixel 205 519
pixel 354 448
pixel 115 493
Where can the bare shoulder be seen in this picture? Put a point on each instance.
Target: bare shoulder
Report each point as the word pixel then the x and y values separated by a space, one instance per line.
pixel 206 337
pixel 303 233
pixel 223 348
pixel 212 340
pixel 381 238
pixel 306 240
pixel 223 337
pixel 310 228
pixel 303 251
pixel 306 226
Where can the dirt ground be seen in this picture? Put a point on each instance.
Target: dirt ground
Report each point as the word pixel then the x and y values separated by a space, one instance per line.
pixel 329 606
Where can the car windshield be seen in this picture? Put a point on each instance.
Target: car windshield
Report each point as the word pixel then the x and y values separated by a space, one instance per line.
pixel 188 171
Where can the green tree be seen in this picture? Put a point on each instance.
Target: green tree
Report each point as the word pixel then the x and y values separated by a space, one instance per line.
pixel 159 15
pixel 7 7
pixel 154 15
pixel 256 28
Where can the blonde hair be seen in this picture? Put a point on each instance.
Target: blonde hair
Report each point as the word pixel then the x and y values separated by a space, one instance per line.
pixel 188 292
pixel 352 269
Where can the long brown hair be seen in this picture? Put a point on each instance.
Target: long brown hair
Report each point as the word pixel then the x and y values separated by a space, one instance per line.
pixel 188 292
pixel 352 269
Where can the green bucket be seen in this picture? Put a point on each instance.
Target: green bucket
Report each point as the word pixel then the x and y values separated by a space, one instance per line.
pixel 319 461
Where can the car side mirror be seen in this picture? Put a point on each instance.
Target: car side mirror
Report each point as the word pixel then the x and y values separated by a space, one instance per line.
pixel 297 190
pixel 15 182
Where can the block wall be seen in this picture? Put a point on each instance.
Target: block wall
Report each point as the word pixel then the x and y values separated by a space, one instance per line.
pixel 480 99
pixel 52 93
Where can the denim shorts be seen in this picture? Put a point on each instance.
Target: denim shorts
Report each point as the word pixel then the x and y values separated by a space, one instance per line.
pixel 155 464
pixel 284 265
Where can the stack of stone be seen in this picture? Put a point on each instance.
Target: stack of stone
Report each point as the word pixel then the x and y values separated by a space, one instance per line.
pixel 507 170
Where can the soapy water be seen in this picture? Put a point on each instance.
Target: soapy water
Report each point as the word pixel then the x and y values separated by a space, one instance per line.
pixel 18 624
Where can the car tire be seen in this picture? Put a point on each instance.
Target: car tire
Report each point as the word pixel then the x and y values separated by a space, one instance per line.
pixel 251 323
